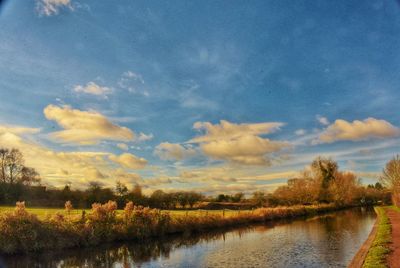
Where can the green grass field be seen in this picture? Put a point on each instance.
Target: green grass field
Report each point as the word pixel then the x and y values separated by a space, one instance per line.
pixel 44 212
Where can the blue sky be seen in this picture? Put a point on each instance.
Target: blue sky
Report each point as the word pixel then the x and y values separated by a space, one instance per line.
pixel 136 90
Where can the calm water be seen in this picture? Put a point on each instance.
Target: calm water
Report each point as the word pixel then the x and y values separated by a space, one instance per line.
pixel 326 241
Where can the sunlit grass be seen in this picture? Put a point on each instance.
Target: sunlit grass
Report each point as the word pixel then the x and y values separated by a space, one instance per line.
pixel 379 250
pixel 42 213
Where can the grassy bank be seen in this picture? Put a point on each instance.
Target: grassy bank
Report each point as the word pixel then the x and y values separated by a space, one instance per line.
pixel 44 213
pixel 379 249
pixel 23 231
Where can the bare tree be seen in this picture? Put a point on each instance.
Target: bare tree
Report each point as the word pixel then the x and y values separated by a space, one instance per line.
pixel 29 176
pixel 13 170
pixel 324 170
pixel 121 189
pixel 391 178
pixel 15 164
pixel 3 164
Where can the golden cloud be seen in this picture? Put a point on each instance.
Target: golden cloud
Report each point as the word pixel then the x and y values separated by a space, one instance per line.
pixel 226 130
pixel 129 161
pixel 123 146
pixel 59 168
pixel 357 130
pixel 84 127
pixel 173 151
pixel 239 143
pixel 18 129
pixel 93 89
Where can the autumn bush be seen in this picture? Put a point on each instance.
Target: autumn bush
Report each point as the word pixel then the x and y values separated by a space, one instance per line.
pixel 21 231
pixel 142 222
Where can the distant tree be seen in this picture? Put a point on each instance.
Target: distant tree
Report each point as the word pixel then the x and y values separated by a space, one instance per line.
pixel 391 178
pixel 13 170
pixel 259 198
pixel 344 187
pixel 222 198
pixel 324 170
pixel 159 199
pixel 378 186
pixel 3 164
pixel 237 197
pixel 193 198
pixel 29 176
pixel 136 196
pixel 97 194
pixel 137 191
pixel 121 189
pixel 182 199
pixel 15 164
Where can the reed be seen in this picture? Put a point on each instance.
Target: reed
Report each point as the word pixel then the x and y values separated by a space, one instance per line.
pixel 22 231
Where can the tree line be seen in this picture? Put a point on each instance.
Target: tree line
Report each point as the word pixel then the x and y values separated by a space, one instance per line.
pixel 320 182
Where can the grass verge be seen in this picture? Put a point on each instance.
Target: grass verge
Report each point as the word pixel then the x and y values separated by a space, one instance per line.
pixel 377 254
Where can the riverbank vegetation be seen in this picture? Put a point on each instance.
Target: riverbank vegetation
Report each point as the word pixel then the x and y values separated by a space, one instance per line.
pixel 379 250
pixel 21 231
pixel 320 182
pixel 320 188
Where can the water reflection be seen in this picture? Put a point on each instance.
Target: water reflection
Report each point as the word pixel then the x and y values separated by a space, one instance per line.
pixel 326 241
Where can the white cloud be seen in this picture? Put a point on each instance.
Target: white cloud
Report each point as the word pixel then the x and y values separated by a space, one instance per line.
pixel 84 127
pixel 93 89
pixel 322 120
pixel 173 151
pixel 144 137
pixel 190 98
pixel 134 83
pixel 300 132
pixel 357 130
pixel 52 7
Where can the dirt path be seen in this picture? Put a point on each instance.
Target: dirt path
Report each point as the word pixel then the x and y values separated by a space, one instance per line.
pixel 394 257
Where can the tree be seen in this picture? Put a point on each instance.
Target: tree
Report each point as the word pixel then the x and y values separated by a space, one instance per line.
pixel 13 170
pixel 391 178
pixel 158 199
pixel 324 170
pixel 344 187
pixel 222 198
pixel 181 198
pixel 193 198
pixel 29 176
pixel 237 197
pixel 14 164
pixel 137 191
pixel 3 164
pixel 121 189
pixel 136 196
pixel 259 198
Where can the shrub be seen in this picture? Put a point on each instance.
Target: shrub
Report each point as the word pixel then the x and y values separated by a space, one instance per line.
pixel 21 231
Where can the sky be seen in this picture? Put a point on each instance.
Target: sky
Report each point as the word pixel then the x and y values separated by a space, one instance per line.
pixel 213 96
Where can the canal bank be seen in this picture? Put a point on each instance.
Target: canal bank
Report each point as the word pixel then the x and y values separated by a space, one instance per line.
pixel 328 240
pixel 382 247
